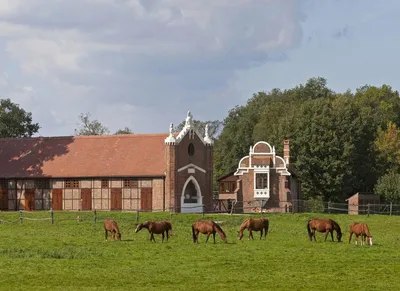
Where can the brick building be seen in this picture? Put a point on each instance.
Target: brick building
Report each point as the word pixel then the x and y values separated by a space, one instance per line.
pixel 149 172
pixel 261 180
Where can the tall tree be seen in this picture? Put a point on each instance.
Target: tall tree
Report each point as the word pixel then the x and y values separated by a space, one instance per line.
pixel 15 121
pixel 388 187
pixel 387 144
pixel 90 127
pixel 125 130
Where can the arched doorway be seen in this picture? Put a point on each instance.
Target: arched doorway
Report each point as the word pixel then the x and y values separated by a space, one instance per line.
pixel 191 199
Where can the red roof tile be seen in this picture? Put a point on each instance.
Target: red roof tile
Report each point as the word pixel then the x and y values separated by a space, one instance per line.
pixel 83 156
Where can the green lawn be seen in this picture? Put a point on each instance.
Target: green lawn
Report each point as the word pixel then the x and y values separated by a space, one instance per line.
pixel 71 255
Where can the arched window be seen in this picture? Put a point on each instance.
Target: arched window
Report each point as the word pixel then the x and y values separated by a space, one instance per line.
pixel 191 150
pixel 190 193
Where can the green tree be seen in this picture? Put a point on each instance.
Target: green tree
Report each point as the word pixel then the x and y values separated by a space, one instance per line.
pixel 90 127
pixel 15 121
pixel 387 144
pixel 388 187
pixel 125 130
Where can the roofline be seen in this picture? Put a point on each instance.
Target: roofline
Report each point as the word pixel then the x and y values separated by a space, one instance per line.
pixel 84 177
pixel 88 136
pixel 226 176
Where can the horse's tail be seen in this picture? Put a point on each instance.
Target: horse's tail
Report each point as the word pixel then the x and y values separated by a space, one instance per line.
pixel 220 231
pixel 193 234
pixel 309 229
pixel 266 225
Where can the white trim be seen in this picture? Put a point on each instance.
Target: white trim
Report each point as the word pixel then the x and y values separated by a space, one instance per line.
pixel 192 207
pixel 284 163
pixel 263 142
pixel 191 166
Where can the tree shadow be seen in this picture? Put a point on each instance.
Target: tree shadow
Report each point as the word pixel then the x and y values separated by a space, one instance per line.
pixel 31 157
pixel 27 158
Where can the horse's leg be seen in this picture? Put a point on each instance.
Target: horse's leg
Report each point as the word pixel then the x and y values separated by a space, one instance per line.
pixel 251 234
pixel 214 236
pixel 332 235
pixel 261 233
pixel 105 234
pixel 152 237
pixel 351 234
pixel 167 234
pixel 162 235
pixel 326 234
pixel 208 236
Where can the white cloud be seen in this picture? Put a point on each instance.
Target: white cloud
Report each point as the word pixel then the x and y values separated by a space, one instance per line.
pixel 158 57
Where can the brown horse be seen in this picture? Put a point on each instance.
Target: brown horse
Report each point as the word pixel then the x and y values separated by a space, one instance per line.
pixel 155 227
pixel 323 225
pixel 208 228
pixel 260 224
pixel 112 227
pixel 360 229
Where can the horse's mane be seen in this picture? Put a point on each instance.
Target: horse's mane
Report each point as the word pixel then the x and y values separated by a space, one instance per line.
pixel 336 225
pixel 219 229
pixel 243 225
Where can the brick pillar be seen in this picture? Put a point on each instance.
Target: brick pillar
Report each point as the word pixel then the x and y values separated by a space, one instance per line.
pixel 209 194
pixel 286 152
pixel 282 193
pixel 170 180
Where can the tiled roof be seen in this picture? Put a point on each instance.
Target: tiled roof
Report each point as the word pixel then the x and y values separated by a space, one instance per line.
pixel 83 156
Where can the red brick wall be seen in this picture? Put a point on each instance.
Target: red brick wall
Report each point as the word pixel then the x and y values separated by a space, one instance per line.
pixel 201 158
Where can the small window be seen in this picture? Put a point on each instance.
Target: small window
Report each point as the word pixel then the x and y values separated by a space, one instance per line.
pixel 42 184
pixel 191 150
pixel 71 183
pixel 104 183
pixel 130 183
pixel 3 184
pixel 262 181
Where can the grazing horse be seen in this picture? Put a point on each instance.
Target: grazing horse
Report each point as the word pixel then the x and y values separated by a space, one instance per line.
pixel 251 224
pixel 208 228
pixel 112 227
pixel 323 225
pixel 155 227
pixel 360 229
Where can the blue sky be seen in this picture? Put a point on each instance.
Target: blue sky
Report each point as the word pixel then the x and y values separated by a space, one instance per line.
pixel 144 63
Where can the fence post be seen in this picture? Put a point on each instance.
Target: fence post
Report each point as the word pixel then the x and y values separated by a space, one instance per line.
pixel 52 216
pixel 137 215
pixel 233 206
pixel 95 216
pixel 202 210
pixel 170 213
pixel 391 206
pixel 368 210
pixel 329 207
pixel 20 217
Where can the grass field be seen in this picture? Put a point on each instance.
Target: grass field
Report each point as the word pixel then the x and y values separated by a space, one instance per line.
pixel 71 255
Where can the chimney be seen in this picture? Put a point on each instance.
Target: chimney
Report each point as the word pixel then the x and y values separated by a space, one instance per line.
pixel 286 151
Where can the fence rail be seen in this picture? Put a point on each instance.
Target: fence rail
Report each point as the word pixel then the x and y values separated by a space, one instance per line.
pixel 219 206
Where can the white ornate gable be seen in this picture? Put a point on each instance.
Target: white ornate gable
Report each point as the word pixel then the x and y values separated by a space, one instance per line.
pixel 188 129
pixel 246 163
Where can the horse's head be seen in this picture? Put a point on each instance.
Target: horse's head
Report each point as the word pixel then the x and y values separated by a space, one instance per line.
pixel 240 235
pixel 139 227
pixel 370 240
pixel 339 236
